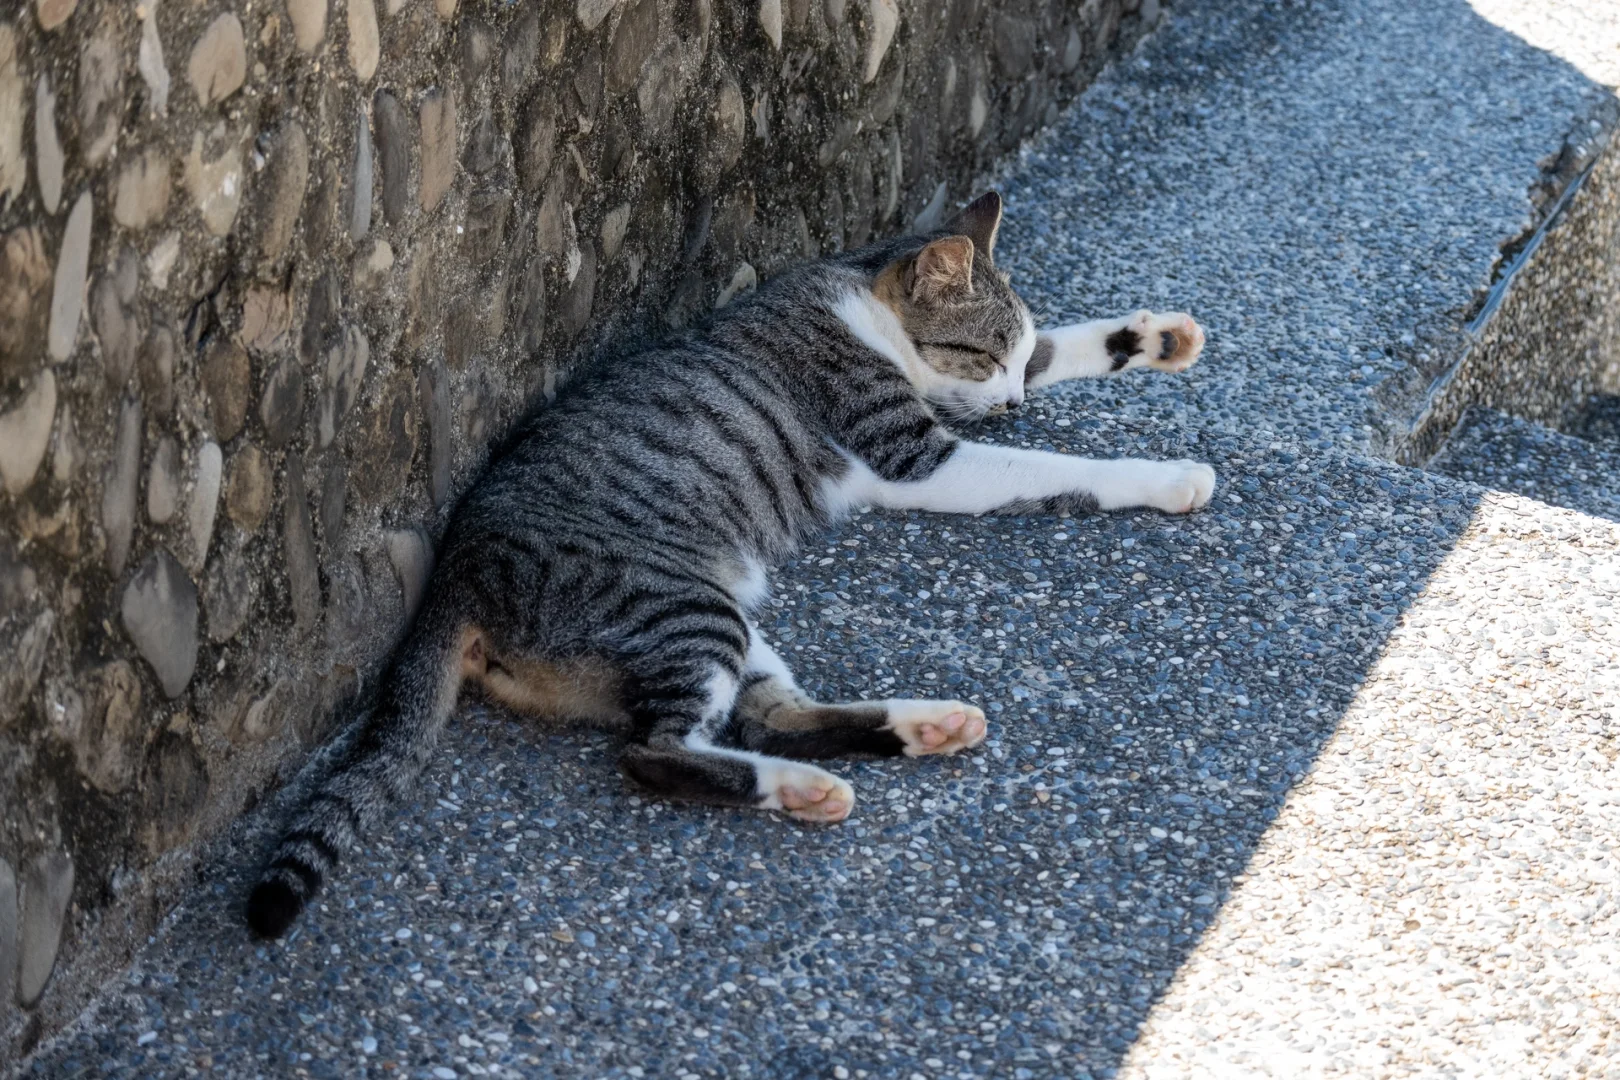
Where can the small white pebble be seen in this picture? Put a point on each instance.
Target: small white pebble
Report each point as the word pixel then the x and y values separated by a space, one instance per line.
pixel 368 1045
pixel 150 1036
pixel 403 933
pixel 530 986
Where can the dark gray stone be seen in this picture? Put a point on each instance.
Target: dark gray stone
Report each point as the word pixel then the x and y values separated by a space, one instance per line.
pixel 433 388
pixel 10 933
pixel 633 41
pixel 159 610
pixel 535 140
pixel 229 595
pixel 46 889
pixel 484 144
pixel 227 379
pixel 1073 49
pixel 24 647
pixel 281 407
pixel 477 47
pixel 484 234
pixel 283 187
pixel 658 90
pixel 155 363
pixel 119 491
pixel 585 88
pixel 618 148
pixel 346 365
pixel 334 496
pixel 117 324
pixel 463 332
pixel 322 326
pixel 298 537
pixel 1015 45
pixel 348 611
pixel 176 787
pixel 885 96
pixel 361 192
pixel 522 53
pixel 382 447
pixel 395 136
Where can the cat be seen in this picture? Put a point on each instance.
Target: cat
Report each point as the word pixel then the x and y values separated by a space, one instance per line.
pixel 604 565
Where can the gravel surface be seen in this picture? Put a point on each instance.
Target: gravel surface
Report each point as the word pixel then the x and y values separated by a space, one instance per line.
pixel 1439 896
pixel 1510 454
pixel 1326 186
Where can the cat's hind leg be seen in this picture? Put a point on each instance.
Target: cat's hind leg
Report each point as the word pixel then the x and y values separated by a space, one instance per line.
pixel 774 716
pixel 680 713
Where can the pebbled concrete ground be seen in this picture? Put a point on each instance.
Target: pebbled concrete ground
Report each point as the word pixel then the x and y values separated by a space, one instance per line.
pixel 1512 454
pixel 1234 757
pixel 1326 184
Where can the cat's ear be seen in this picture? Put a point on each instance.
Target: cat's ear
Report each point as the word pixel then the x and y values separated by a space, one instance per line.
pixel 943 268
pixel 979 221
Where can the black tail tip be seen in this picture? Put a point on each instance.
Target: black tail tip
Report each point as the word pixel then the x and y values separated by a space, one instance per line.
pixel 272 908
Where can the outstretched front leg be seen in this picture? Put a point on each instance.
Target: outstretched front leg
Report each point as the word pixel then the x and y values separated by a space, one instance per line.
pixel 1165 342
pixel 979 478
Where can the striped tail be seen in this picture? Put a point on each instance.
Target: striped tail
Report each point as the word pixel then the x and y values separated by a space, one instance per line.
pixel 375 773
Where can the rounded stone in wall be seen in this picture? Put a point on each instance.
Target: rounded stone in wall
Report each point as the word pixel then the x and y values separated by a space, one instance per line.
pixel 43 895
pixel 227 380
pixel 105 726
pixel 159 612
pixel 25 280
pixel 658 93
pixel 176 786
pixel 382 446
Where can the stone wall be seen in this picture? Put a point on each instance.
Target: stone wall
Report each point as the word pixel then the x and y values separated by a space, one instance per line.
pixel 271 277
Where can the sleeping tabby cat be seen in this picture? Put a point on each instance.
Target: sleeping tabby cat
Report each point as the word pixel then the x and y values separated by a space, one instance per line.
pixel 604 566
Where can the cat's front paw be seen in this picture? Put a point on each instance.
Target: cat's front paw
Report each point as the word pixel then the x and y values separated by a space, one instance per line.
pixel 1181 487
pixel 806 792
pixel 1169 341
pixel 936 727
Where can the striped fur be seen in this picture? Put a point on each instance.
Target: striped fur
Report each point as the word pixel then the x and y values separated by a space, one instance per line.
pixel 605 564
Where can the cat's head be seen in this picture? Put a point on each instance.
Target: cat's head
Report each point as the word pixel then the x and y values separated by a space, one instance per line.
pixel 973 334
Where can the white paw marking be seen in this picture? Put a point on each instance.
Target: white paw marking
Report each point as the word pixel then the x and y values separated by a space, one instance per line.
pixel 1181 487
pixel 1187 334
pixel 804 791
pixel 936 727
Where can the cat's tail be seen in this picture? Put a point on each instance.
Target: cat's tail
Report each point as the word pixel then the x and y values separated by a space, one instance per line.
pixel 376 771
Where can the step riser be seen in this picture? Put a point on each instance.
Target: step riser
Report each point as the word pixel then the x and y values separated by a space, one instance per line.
pixel 1548 334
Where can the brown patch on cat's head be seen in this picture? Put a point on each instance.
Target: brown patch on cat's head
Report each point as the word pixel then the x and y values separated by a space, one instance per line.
pixel 959 312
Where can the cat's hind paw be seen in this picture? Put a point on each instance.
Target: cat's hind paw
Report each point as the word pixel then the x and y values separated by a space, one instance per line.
pixel 936 727
pixel 806 792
